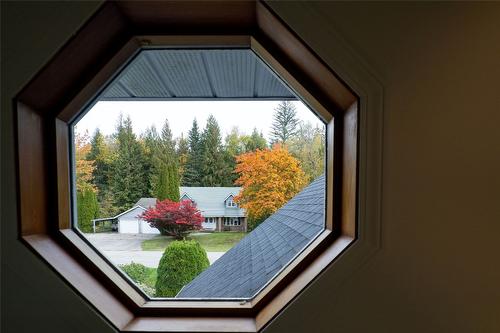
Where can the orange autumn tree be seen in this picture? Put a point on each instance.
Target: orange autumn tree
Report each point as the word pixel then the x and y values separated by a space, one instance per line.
pixel 84 168
pixel 269 178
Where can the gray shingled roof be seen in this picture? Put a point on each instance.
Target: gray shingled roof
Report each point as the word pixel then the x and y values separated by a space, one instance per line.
pixel 209 200
pixel 146 202
pixel 257 258
pixel 196 74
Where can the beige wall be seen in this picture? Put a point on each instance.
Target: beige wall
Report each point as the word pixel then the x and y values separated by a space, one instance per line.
pixel 439 266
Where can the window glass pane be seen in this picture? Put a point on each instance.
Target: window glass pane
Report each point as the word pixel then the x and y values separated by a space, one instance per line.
pixel 177 156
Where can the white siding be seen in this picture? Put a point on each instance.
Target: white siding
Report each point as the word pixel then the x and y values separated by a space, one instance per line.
pixel 145 228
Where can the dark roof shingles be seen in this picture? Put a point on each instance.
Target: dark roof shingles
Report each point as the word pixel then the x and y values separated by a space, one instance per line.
pixel 258 257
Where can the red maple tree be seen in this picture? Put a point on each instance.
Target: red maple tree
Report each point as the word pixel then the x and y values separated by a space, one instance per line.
pixel 172 218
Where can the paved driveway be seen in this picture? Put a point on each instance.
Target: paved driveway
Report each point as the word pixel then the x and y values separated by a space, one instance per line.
pixel 123 249
pixel 147 258
pixel 118 242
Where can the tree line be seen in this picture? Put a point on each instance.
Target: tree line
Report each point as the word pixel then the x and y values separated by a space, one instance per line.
pixel 114 171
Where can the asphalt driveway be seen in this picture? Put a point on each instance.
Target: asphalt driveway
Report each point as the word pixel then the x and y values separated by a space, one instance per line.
pixel 123 249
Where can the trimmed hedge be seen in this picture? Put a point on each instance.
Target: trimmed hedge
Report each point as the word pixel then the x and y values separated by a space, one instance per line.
pixel 181 262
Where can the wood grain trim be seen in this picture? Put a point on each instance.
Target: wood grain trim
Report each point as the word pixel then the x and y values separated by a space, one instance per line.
pixel 81 280
pixel 94 85
pixel 76 75
pixel 77 61
pixel 63 176
pixel 302 57
pixel 191 324
pixel 31 145
pixel 189 17
pixel 293 289
pixel 291 81
pixel 206 41
pixel 330 179
pixel 104 267
pixel 216 305
pixel 349 171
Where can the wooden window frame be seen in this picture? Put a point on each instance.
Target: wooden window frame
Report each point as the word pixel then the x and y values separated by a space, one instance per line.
pixel 78 72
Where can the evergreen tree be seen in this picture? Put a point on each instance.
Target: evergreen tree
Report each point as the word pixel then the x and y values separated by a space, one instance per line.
pixel 151 142
pixel 100 154
pixel 129 182
pixel 161 191
pixel 214 169
pixel 285 123
pixel 167 145
pixel 182 156
pixel 173 185
pixel 233 147
pixel 164 171
pixel 87 208
pixel 192 172
pixel 254 141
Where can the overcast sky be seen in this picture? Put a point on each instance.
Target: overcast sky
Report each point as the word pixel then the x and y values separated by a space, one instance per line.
pixel 244 114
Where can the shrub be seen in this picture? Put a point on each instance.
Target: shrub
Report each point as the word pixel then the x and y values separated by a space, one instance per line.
pixel 181 262
pixel 87 208
pixel 145 277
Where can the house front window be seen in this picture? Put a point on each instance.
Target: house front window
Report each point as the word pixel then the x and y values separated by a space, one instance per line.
pixel 230 203
pixel 232 221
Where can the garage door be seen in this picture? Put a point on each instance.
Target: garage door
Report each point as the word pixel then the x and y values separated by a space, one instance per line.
pixel 128 226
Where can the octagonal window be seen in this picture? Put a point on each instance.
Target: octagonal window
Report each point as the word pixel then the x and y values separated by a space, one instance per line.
pixel 198 173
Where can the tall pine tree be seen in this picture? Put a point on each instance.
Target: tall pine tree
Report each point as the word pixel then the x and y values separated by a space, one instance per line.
pixel 214 168
pixel 167 144
pixel 129 182
pixel 173 184
pixel 100 154
pixel 166 184
pixel 234 146
pixel 285 123
pixel 192 173
pixel 182 156
pixel 151 142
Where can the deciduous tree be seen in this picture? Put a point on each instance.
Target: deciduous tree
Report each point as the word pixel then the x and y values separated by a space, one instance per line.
pixel 172 218
pixel 269 178
pixel 86 200
pixel 308 146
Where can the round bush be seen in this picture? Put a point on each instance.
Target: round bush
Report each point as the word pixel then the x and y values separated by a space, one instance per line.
pixel 181 262
pixel 137 272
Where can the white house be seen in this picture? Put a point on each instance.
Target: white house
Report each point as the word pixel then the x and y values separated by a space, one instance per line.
pixel 129 222
pixel 216 205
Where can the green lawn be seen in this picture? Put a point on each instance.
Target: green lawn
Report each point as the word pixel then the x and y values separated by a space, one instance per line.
pixel 211 242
